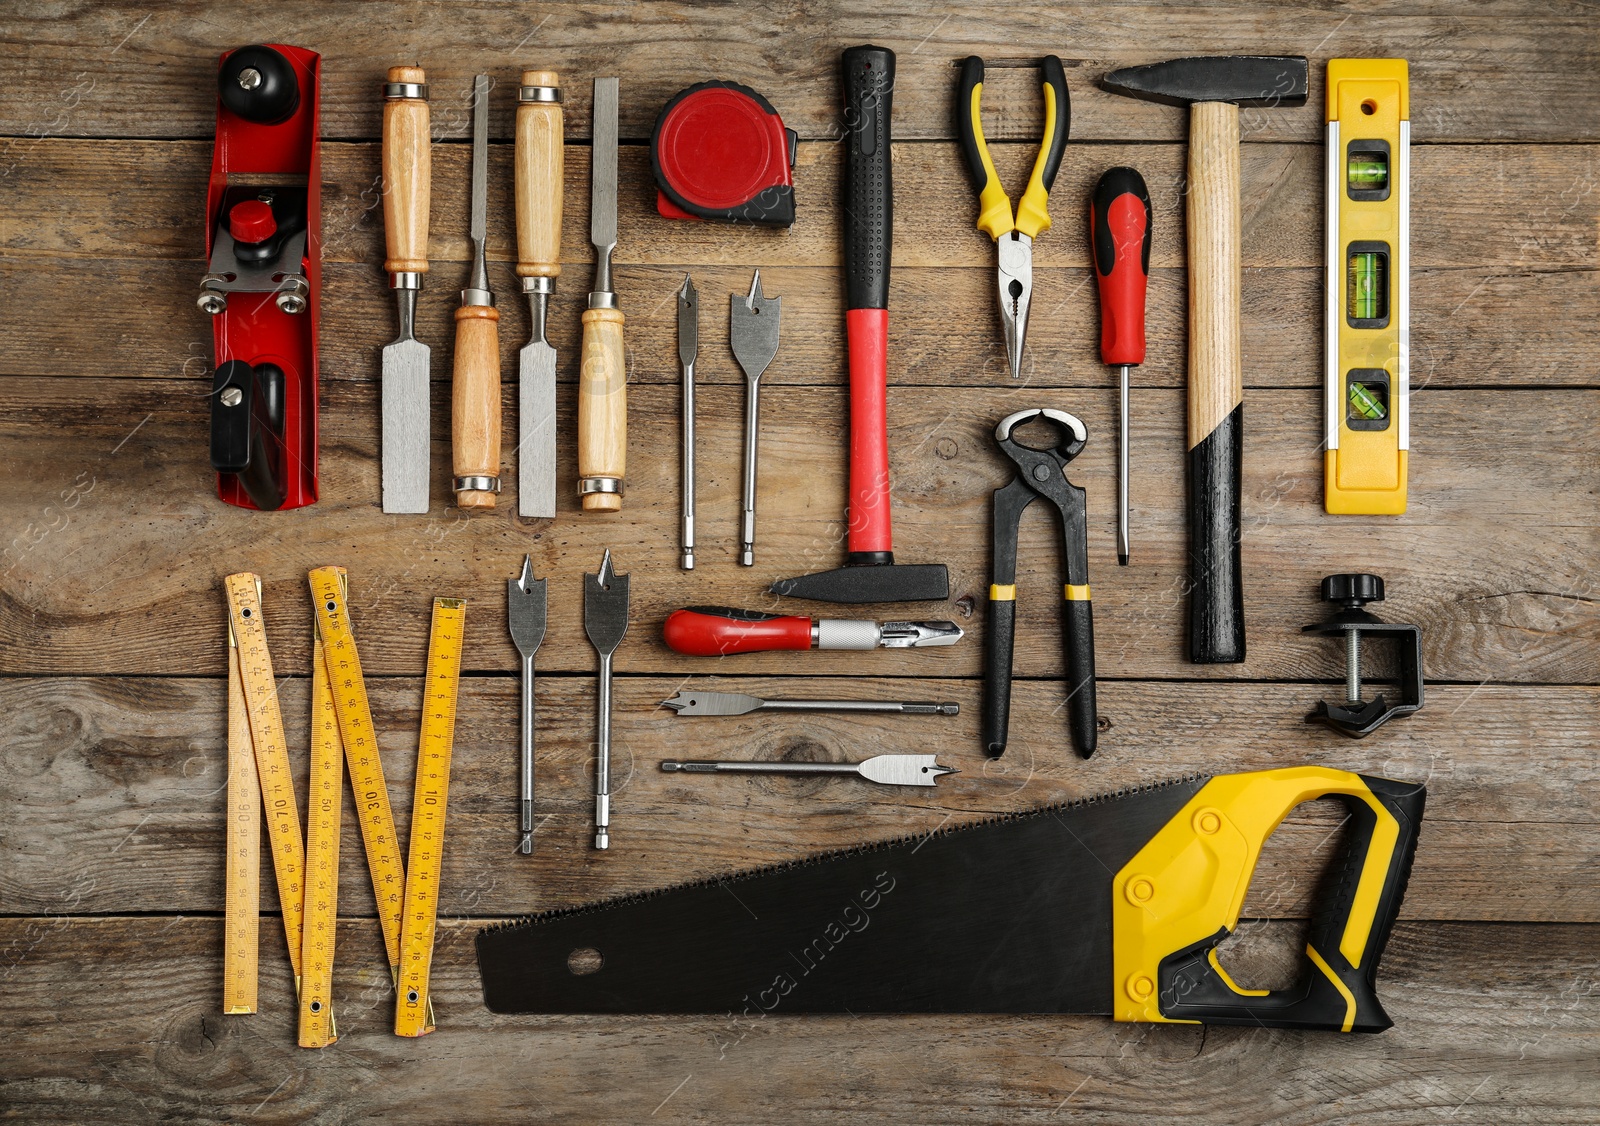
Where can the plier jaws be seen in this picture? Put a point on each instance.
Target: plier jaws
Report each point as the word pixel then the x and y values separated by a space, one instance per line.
pixel 1013 230
pixel 1040 473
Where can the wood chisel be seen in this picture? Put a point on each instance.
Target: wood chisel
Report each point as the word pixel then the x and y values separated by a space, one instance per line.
pixel 753 322
pixel 539 164
pixel 1119 237
pixel 605 621
pixel 717 631
pixel 407 192
pixel 887 770
pixel 475 397
pixel 737 703
pixel 1111 905
pixel 1368 332
pixel 602 378
pixel 688 353
pixel 525 616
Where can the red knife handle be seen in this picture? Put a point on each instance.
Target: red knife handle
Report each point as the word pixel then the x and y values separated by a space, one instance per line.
pixel 717 631
pixel 1120 237
pixel 871 540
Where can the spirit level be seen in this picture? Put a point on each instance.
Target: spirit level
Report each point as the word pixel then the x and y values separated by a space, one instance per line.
pixel 1368 335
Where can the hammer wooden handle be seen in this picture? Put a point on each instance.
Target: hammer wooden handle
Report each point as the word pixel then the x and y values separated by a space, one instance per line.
pixel 602 408
pixel 539 180
pixel 407 176
pixel 475 401
pixel 1216 387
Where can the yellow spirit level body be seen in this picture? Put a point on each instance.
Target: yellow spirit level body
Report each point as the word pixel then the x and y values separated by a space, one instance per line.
pixel 1368 332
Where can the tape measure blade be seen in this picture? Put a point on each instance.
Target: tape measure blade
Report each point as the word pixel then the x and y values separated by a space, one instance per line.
pixel 282 813
pixel 367 783
pixel 241 934
pixel 323 808
pixel 413 1003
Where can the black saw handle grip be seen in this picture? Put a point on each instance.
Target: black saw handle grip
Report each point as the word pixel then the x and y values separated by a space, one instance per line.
pixel 1083 718
pixel 1337 991
pixel 869 182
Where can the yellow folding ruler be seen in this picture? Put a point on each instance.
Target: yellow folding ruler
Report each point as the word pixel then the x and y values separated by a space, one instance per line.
pixel 413 1006
pixel 250 671
pixel 323 809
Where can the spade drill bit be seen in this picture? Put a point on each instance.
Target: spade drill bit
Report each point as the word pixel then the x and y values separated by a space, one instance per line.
pixel 888 770
pixel 688 352
pixel 605 620
pixel 753 334
pixel 525 605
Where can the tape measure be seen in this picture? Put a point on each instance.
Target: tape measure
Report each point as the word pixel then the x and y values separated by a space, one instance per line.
pixel 259 693
pixel 720 151
pixel 241 931
pixel 323 810
pixel 413 1006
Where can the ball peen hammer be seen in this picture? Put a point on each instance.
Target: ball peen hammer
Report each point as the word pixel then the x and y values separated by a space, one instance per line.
pixel 1214 88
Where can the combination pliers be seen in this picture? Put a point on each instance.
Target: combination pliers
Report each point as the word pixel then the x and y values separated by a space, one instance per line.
pixel 1013 233
pixel 1040 473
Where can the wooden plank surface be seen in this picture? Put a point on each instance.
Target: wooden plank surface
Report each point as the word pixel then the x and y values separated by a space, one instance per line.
pixel 112 545
pixel 1493 1024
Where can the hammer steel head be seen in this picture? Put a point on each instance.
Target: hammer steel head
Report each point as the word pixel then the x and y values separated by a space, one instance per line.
pixel 1246 80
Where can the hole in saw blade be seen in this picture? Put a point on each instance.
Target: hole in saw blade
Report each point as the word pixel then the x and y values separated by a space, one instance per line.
pixel 584 960
pixel 1267 948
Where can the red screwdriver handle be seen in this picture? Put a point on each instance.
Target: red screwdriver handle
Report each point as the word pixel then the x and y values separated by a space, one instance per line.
pixel 717 631
pixel 1119 217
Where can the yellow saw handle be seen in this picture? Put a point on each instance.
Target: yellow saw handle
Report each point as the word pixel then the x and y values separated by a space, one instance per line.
pixel 1182 893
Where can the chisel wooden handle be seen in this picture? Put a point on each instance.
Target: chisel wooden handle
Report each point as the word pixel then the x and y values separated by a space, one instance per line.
pixel 539 179
pixel 602 408
pixel 1216 387
pixel 475 401
pixel 407 173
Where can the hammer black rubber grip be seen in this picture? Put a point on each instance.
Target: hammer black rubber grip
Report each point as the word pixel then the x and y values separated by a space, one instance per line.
pixel 1216 595
pixel 869 185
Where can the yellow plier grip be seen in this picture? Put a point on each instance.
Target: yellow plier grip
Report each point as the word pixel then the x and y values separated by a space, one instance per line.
pixel 995 217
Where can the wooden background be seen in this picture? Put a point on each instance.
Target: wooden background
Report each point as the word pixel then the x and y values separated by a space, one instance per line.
pixel 112 757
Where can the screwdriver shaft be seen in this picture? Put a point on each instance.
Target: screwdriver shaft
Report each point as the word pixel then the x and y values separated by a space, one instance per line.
pixel 1122 473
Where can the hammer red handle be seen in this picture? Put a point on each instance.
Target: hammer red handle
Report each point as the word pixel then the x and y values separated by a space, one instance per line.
pixel 714 631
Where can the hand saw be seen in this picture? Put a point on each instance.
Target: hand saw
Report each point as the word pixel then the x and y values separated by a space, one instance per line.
pixel 1111 906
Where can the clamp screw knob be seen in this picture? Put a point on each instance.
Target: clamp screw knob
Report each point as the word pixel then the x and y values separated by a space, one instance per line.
pixel 1352 590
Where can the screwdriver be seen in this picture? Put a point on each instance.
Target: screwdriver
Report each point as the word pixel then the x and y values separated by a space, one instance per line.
pixel 1119 221
pixel 718 631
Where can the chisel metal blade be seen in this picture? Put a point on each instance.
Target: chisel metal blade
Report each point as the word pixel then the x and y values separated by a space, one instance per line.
pixel 405 449
pixel 536 455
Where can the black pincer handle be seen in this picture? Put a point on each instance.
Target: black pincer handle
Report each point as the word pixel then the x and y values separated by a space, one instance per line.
pixel 869 184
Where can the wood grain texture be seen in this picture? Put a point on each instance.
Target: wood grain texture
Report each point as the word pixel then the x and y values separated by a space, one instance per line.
pixel 1216 381
pixel 87 71
pixel 603 407
pixel 1493 1023
pixel 475 401
pixel 112 813
pixel 540 185
pixel 1491 560
pixel 119 805
pixel 407 176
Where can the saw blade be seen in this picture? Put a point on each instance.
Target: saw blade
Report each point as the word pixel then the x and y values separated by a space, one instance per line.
pixel 1009 915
